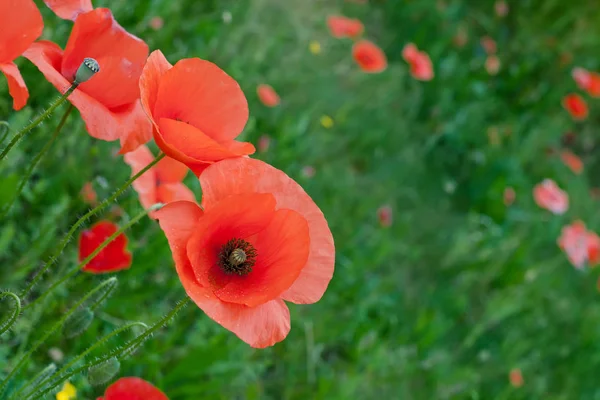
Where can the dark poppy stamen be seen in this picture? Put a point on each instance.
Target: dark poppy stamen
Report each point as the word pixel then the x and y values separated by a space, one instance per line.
pixel 237 256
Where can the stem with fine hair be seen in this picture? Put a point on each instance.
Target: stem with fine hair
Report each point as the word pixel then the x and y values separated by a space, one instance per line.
pixel 38 120
pixel 50 331
pixel 4 326
pixel 80 221
pixel 84 262
pixel 35 161
pixel 117 352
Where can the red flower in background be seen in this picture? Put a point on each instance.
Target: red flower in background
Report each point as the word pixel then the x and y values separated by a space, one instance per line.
pixel 112 258
pixel 581 246
pixel 109 102
pixel 369 57
pixel 89 194
pixel 385 215
pixel 576 106
pixel 133 388
pixel 549 196
pixel 515 378
pixel 341 27
pixel 492 64
pixel 588 81
pixel 421 67
pixel 259 241
pixel 488 44
pixel 69 9
pixel 197 110
pixel 572 161
pixel 161 183
pixel 509 196
pixel 20 25
pixel 267 95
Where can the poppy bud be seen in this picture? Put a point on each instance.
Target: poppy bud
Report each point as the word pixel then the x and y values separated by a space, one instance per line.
pixel 88 68
pixel 78 322
pixel 104 372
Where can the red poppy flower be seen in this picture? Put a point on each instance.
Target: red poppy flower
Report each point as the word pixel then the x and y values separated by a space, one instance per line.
pixel 197 110
pixel 69 9
pixel 341 26
pixel 385 215
pixel 21 24
pixel 133 388
pixel 576 106
pixel 112 258
pixel 588 81
pixel 549 196
pixel 488 44
pixel 581 246
pixel 572 161
pixel 509 196
pixel 259 241
pixel 369 57
pixel 267 95
pixel 516 378
pixel 109 102
pixel 421 67
pixel 161 183
pixel 89 194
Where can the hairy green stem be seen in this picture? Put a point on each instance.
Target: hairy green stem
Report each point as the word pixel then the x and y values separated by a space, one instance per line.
pixel 16 311
pixel 37 121
pixel 6 128
pixel 80 222
pixel 86 260
pixel 35 161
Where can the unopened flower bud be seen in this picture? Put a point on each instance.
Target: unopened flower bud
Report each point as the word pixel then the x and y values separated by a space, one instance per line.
pixel 88 68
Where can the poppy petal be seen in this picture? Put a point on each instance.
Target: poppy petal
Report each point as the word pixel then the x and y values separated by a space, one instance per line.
pixel 133 388
pixel 170 192
pixel 16 85
pixel 155 68
pixel 145 185
pixel 139 128
pixel 113 257
pixel 69 9
pixel 169 170
pixel 21 24
pixel 201 94
pixel 246 175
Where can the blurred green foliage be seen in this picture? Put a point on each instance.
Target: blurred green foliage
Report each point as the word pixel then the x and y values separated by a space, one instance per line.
pixel 441 305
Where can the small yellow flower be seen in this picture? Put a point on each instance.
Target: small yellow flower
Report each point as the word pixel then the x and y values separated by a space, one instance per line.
pixel 68 392
pixel 314 47
pixel 326 121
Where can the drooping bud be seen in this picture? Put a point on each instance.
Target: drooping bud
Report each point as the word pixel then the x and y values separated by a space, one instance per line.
pixel 104 372
pixel 88 68
pixel 78 322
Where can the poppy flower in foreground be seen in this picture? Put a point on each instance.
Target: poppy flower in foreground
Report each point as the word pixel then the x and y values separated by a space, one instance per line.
pixel 548 195
pixel 588 81
pixel 133 388
pixel 21 24
pixel 113 257
pixel 69 9
pixel 161 183
pixel 581 246
pixel 109 102
pixel 572 161
pixel 369 57
pixel 421 67
pixel 576 106
pixel 341 27
pixel 267 95
pixel 197 110
pixel 259 241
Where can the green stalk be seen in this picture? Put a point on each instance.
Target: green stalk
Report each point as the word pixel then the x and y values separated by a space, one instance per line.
pixel 4 326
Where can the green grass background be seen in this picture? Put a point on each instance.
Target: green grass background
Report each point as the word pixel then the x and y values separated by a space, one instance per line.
pixel 441 305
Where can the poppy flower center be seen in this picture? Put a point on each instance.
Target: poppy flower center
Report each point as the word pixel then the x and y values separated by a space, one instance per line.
pixel 237 256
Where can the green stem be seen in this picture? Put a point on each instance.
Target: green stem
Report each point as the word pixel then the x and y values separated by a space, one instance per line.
pixel 37 121
pixel 89 258
pixel 75 360
pixel 35 161
pixel 16 311
pixel 117 352
pixel 80 222
pixel 50 331
pixel 6 128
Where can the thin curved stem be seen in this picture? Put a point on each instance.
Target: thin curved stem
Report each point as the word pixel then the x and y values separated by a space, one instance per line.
pixel 80 221
pixel 50 331
pixel 6 128
pixel 35 161
pixel 38 120
pixel 89 258
pixel 17 310
pixel 117 352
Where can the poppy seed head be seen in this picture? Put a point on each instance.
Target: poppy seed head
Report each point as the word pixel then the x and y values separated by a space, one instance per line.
pixel 237 256
pixel 88 68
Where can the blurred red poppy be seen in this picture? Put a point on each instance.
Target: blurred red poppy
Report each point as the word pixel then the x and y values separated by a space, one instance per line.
pixel 267 95
pixel 421 67
pixel 133 388
pixel 156 23
pixel 21 24
pixel 509 196
pixel 112 258
pixel 492 64
pixel 69 9
pixel 258 240
pixel 572 161
pixel 385 215
pixel 501 8
pixel 109 102
pixel 89 194
pixel 341 26
pixel 488 44
pixel 264 142
pixel 576 106
pixel 588 81
pixel 197 110
pixel 161 183
pixel 548 195
pixel 516 378
pixel 581 246
pixel 369 57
